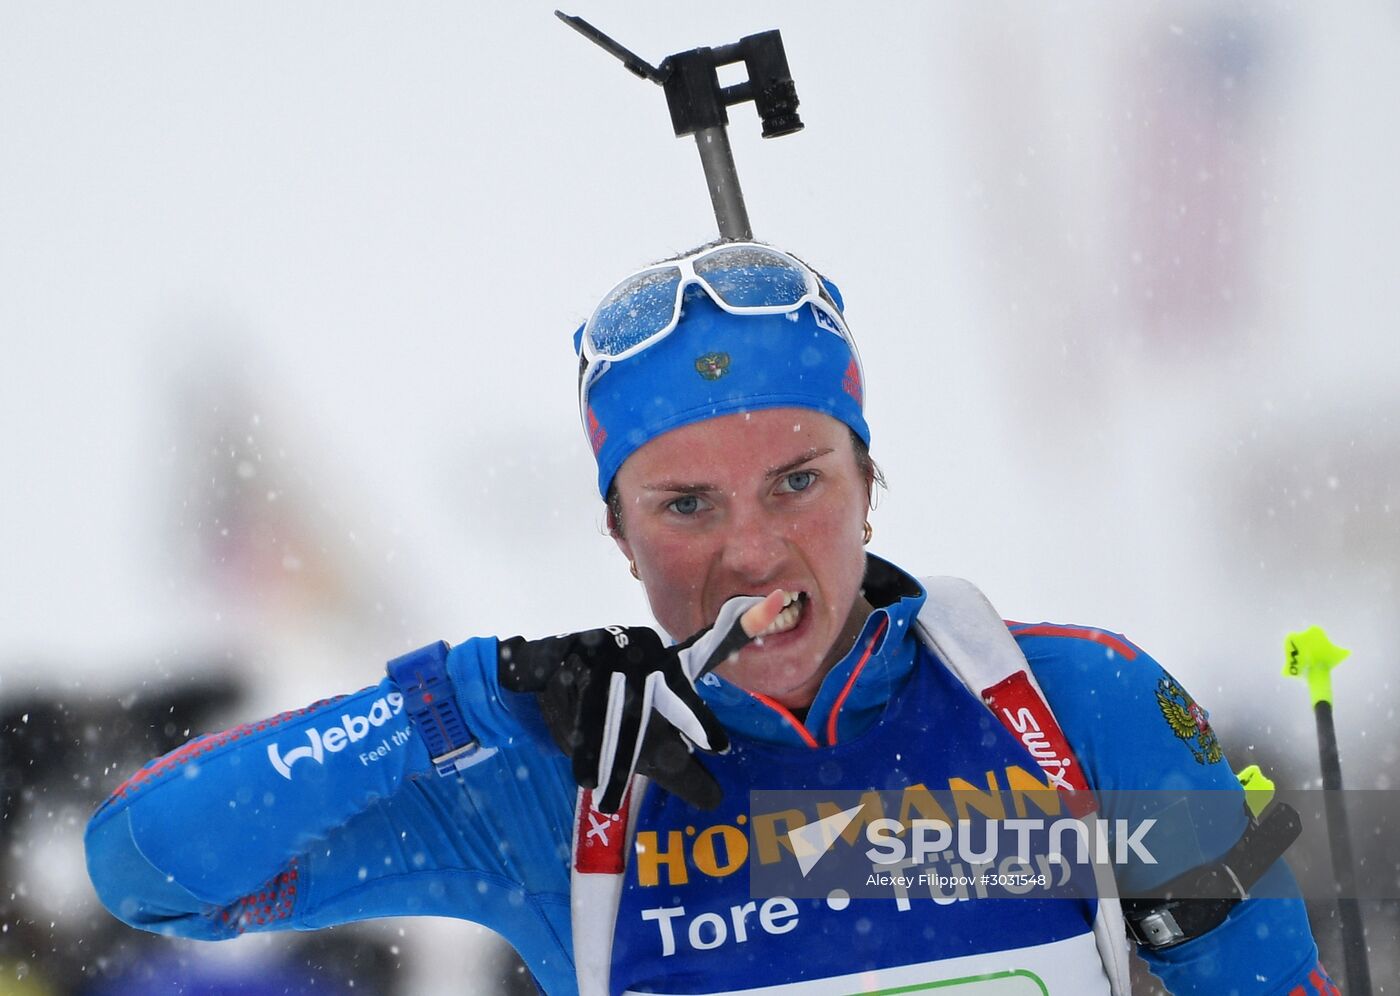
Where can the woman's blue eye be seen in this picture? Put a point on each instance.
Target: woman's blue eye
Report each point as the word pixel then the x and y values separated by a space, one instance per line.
pixel 800 480
pixel 686 505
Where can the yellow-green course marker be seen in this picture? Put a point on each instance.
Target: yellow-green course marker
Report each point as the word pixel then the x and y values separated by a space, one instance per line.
pixel 1311 655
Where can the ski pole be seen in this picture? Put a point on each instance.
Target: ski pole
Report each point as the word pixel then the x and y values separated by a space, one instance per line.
pixel 1311 655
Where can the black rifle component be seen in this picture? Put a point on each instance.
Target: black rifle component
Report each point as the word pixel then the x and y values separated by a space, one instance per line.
pixel 699 105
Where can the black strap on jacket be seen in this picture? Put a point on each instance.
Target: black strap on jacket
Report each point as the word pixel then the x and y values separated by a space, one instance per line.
pixel 1199 900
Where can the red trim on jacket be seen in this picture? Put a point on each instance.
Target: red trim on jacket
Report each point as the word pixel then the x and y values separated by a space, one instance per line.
pixel 850 681
pixel 1079 633
pixel 783 711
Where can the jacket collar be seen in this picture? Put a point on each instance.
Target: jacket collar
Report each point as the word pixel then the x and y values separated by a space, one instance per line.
pixel 854 692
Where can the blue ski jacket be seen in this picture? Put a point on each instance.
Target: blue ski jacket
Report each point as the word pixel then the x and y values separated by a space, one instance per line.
pixel 332 813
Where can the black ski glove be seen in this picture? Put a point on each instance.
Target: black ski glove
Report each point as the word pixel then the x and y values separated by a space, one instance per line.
pixel 602 691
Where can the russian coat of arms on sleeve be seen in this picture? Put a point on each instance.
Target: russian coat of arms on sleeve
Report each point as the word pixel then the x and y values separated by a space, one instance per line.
pixel 1188 721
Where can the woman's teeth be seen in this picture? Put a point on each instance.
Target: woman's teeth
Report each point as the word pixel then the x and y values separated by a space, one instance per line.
pixel 787 619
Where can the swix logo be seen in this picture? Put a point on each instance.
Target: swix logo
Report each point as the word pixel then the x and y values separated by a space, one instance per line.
pixel 598 826
pixel 1019 706
pixel 1023 723
pixel 351 729
pixel 597 850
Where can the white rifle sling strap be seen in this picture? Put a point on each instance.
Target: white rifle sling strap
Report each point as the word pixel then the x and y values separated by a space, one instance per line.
pixel 599 860
pixel 970 637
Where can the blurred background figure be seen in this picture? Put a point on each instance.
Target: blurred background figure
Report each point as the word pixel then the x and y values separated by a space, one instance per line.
pixel 285 298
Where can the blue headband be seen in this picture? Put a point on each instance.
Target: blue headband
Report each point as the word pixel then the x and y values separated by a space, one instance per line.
pixel 716 363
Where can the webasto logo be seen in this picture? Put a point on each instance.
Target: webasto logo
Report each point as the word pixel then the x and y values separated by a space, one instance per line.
pixel 350 730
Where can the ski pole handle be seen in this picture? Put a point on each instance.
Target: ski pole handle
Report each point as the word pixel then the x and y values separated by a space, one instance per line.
pixel 1311 655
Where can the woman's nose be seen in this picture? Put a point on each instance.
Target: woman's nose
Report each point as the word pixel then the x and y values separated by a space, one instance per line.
pixel 755 546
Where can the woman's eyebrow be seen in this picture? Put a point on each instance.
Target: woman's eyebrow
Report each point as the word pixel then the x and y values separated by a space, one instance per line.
pixel 680 486
pixel 807 457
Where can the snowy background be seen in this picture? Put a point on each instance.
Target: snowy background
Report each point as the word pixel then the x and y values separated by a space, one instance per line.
pixel 286 293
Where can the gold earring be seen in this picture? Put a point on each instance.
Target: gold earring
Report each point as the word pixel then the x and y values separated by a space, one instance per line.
pixel 869 532
pixel 632 566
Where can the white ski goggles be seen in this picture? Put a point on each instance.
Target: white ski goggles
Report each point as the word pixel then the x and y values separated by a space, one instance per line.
pixel 742 278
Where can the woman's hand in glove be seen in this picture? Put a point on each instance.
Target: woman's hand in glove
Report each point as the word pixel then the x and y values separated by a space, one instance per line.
pixel 618 701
